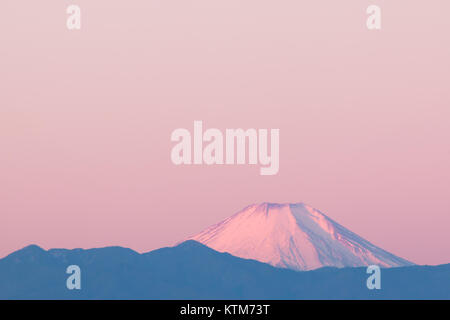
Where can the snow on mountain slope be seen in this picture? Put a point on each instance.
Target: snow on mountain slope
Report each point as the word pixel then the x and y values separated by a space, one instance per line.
pixel 294 236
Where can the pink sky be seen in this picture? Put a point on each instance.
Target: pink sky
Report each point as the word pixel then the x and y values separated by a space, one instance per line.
pixel 86 118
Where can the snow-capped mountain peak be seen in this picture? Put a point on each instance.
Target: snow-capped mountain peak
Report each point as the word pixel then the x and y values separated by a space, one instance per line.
pixel 294 236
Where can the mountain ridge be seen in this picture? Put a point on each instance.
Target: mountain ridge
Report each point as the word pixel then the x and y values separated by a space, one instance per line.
pixel 192 270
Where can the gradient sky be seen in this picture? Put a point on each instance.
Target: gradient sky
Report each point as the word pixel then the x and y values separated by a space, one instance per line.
pixel 86 118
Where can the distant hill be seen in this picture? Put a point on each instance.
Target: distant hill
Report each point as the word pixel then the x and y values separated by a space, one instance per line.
pixel 194 271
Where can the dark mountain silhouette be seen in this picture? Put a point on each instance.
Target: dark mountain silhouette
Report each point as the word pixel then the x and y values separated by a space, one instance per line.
pixel 194 271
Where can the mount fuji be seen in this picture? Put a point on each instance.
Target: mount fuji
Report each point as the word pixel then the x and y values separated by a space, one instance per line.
pixel 293 236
